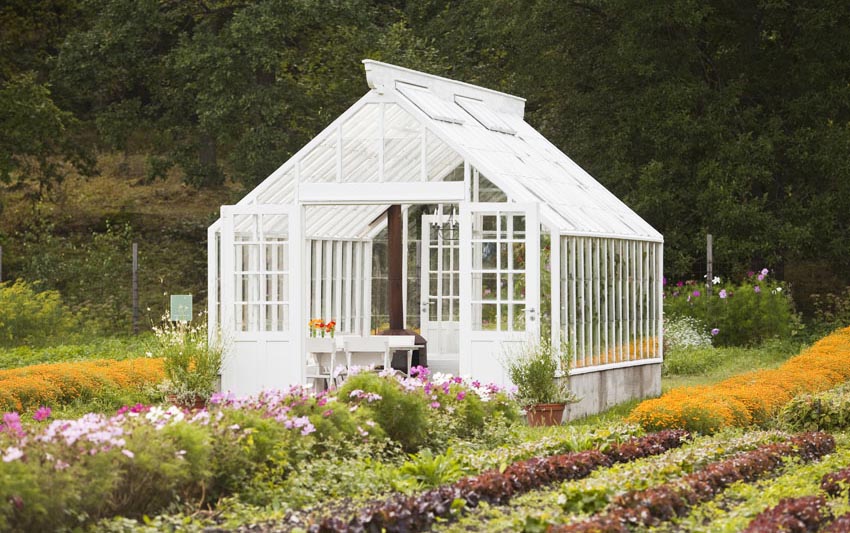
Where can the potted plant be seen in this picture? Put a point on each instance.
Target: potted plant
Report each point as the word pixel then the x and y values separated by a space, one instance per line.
pixel 539 373
pixel 192 365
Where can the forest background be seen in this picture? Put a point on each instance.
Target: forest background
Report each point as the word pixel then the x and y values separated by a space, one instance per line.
pixel 134 120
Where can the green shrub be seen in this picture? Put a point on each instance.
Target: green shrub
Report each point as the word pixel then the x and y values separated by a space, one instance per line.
pixel 744 314
pixel 403 416
pixel 32 317
pixel 832 311
pixel 827 411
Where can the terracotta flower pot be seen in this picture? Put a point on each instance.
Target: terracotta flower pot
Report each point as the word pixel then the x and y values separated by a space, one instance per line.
pixel 193 404
pixel 545 414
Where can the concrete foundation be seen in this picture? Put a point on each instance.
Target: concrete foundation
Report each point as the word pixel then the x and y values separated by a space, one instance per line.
pixel 600 390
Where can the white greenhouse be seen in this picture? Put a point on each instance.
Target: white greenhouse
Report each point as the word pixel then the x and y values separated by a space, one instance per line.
pixel 431 208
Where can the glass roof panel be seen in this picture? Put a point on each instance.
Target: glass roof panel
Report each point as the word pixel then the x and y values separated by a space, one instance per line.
pixel 480 112
pixel 431 105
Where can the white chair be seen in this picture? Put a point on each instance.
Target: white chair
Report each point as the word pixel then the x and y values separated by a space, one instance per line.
pixel 367 351
pixel 406 343
pixel 321 361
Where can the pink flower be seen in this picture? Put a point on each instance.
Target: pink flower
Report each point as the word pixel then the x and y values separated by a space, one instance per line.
pixel 328 413
pixel 757 288
pixel 764 272
pixel 43 413
pixel 714 332
pixel 696 294
pixel 751 274
pixel 128 453
pixel 461 395
pixel 722 293
pixel 664 280
pixel 761 277
pixel 679 283
pixel 435 405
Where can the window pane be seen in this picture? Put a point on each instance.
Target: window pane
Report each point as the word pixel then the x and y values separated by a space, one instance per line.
pixel 518 287
pixel 518 256
pixel 488 255
pixel 487 317
pixel 519 317
pixel 488 286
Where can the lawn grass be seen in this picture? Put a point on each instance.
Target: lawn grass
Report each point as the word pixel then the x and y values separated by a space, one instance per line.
pixel 118 348
pixel 706 366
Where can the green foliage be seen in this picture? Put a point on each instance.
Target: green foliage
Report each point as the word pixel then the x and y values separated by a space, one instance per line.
pixel 832 311
pixel 743 314
pixel 534 370
pixel 97 348
pixel 192 365
pixel 32 317
pixel 401 415
pixel 692 361
pixel 826 411
pixel 35 137
pixel 426 470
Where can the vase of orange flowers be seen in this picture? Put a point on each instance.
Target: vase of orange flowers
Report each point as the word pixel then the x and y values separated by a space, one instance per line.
pixel 319 328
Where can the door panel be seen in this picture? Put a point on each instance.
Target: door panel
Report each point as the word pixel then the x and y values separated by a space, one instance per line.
pixel 256 287
pixel 500 285
pixel 440 294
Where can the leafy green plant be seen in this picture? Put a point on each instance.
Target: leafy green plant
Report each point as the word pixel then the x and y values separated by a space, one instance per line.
pixel 828 411
pixel 738 314
pixel 535 371
pixel 32 317
pixel 192 364
pixel 426 470
pixel 403 416
pixel 832 311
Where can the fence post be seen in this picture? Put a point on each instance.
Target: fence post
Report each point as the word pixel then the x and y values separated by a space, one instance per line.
pixel 135 288
pixel 709 259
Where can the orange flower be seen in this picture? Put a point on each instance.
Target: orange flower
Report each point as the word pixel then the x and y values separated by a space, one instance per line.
pixel 750 398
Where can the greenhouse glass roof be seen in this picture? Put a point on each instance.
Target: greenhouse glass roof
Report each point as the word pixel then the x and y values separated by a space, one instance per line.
pixel 416 127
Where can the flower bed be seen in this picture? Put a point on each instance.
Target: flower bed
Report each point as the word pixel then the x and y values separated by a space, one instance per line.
pixel 750 398
pixel 23 389
pixel 145 458
pixel 651 507
pixel 415 513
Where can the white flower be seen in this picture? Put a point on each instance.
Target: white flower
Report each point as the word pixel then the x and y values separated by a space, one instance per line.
pixel 128 453
pixel 12 454
pixel 715 280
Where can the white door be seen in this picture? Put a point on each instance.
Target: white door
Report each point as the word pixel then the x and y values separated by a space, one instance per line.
pixel 500 285
pixel 257 285
pixel 440 294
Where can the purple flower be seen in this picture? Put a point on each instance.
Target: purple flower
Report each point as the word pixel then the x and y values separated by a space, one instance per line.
pixel 664 280
pixel 679 283
pixel 757 288
pixel 43 413
pixel 696 294
pixel 764 272
pixel 761 277
pixel 722 293
pixel 714 332
pixel 461 395
pixel 750 274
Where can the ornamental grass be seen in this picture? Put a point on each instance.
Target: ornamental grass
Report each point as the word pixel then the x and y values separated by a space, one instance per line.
pixel 751 398
pixel 26 388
